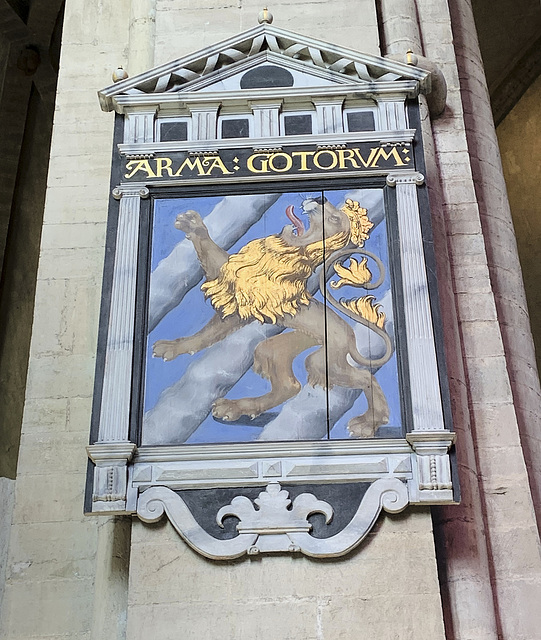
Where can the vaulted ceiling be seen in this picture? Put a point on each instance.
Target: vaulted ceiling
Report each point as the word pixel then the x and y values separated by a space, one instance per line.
pixel 510 41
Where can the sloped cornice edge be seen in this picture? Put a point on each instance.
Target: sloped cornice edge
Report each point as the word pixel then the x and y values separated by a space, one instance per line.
pixel 172 76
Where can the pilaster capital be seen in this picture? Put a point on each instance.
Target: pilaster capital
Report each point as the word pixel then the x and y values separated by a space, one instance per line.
pixel 203 107
pixel 265 104
pixel 328 101
pixel 394 179
pixel 132 190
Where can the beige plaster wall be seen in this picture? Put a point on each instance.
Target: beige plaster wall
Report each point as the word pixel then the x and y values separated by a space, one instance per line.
pixel 67 574
pixel 386 589
pixel 51 575
pixel 183 27
pixel 518 136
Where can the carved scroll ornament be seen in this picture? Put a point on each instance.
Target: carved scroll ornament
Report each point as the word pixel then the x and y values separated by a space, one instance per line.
pixel 277 524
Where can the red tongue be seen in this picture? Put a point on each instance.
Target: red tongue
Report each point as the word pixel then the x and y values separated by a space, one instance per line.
pixel 297 222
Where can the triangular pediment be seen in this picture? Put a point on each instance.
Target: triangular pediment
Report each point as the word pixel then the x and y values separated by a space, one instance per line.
pixel 308 60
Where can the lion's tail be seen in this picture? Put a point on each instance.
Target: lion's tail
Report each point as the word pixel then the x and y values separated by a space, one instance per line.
pixel 353 351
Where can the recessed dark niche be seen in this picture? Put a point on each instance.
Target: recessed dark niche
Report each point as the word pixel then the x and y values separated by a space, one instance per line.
pixel 266 77
pixel 170 131
pixel 361 121
pixel 298 125
pixel 236 128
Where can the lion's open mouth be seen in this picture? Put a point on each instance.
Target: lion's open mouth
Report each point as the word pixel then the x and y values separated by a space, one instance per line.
pixel 297 222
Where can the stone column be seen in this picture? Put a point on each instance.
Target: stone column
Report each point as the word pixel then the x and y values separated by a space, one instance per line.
pixel 142 34
pixel 496 458
pixel 501 362
pixel 400 27
pixel 467 598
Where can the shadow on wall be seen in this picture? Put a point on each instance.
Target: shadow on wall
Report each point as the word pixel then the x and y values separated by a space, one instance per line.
pixel 519 136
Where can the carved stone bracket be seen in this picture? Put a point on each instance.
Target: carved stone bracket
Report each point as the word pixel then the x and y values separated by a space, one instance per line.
pixel 432 469
pixel 110 476
pixel 277 525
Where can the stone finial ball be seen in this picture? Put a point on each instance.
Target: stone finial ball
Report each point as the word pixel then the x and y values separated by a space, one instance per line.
pixel 411 58
pixel 265 16
pixel 119 74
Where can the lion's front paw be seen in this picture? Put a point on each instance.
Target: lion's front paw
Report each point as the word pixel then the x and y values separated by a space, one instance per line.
pixel 189 221
pixel 166 349
pixel 360 427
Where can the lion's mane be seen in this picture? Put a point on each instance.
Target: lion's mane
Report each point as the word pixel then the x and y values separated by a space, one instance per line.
pixel 267 278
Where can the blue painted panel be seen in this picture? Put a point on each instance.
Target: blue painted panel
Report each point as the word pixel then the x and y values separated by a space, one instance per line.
pixel 179 393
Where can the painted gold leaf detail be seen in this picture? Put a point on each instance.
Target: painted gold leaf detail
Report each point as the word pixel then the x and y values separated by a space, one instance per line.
pixel 365 308
pixel 267 278
pixel 359 222
pixel 356 275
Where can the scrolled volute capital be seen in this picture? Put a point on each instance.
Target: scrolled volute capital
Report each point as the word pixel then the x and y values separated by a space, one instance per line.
pixel 394 179
pixel 132 191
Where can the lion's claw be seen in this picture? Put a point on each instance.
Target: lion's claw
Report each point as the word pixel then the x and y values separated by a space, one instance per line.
pixel 224 410
pixel 365 426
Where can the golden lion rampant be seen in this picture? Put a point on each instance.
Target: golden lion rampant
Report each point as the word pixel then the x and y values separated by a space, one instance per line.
pixel 267 278
pixel 267 281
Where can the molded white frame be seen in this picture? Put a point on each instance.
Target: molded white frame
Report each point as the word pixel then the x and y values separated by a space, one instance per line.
pixel 300 112
pixel 373 110
pixel 415 469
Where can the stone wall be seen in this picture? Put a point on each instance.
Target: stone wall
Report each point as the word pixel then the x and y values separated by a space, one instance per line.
pixel 52 571
pixel 385 589
pixel 518 137
pixel 494 385
pixel 67 574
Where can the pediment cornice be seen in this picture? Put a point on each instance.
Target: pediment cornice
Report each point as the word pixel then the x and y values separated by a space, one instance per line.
pixel 261 43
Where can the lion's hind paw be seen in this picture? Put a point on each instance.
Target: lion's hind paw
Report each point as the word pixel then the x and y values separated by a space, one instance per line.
pixel 365 426
pixel 232 410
